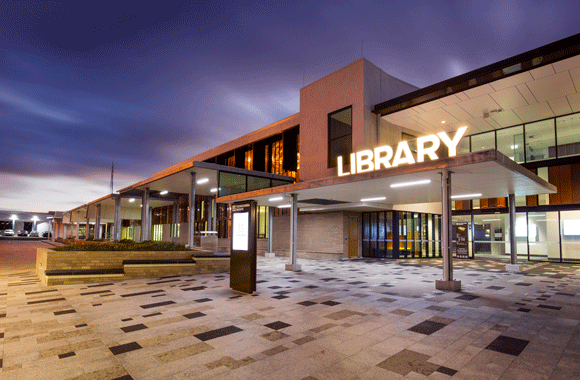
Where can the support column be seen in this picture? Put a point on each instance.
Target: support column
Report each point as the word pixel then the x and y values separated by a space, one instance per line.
pixel 98 223
pixel 293 266
pixel 117 222
pixel 190 237
pixel 88 221
pixel 174 222
pixel 447 283
pixel 214 214
pixel 78 223
pixel 269 252
pixel 513 265
pixel 145 216
pixel 64 227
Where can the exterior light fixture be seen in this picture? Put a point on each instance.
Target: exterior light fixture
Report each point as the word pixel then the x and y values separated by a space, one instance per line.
pixel 475 195
pixel 13 217
pixel 35 217
pixel 275 199
pixel 202 181
pixel 214 190
pixel 373 199
pixel 131 200
pixel 412 183
pixel 284 206
pixel 163 192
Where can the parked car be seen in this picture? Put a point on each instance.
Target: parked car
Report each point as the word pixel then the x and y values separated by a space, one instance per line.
pixel 33 234
pixel 22 233
pixel 8 232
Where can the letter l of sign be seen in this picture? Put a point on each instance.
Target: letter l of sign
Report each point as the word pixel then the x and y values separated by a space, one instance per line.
pixel 340 167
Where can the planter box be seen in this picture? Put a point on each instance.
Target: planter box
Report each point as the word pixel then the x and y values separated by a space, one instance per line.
pixel 68 267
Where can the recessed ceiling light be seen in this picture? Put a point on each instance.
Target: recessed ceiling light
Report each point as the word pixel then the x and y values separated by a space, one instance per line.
pixel 373 199
pixel 202 180
pixel 163 192
pixel 474 195
pixel 214 190
pixel 412 183
pixel 514 146
pixel 131 199
pixel 275 199
pixel 284 206
pixel 311 209
pixel 442 121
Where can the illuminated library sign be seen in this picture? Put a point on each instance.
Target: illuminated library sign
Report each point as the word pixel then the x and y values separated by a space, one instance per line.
pixel 382 157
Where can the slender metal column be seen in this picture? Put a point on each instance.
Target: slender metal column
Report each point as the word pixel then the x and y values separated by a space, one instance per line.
pixel 174 222
pixel 78 223
pixel 145 215
pixel 513 245
pixel 293 266
pixel 191 211
pixel 150 224
pixel 446 225
pixel 98 223
pixel 214 214
pixel 270 223
pixel 117 225
pixel 88 222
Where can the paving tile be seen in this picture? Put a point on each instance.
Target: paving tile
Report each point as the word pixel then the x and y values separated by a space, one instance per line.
pixel 123 348
pixel 217 333
pixel 132 328
pixel 194 315
pixel 278 325
pixel 427 327
pixel 407 361
pixel 508 345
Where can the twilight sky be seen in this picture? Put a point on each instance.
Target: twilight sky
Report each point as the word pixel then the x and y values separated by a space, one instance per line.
pixel 147 84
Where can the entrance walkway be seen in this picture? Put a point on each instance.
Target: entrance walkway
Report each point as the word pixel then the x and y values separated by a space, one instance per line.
pixel 334 320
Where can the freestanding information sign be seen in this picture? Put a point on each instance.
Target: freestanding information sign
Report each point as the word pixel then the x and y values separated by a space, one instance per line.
pixel 243 247
pixel 462 250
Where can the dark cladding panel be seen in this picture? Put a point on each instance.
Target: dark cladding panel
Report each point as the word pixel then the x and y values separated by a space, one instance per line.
pixel 243 247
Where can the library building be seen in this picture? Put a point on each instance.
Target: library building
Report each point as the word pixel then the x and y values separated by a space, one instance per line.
pixel 482 165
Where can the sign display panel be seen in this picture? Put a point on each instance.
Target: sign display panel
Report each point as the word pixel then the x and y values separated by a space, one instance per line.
pixel 240 229
pixel 462 250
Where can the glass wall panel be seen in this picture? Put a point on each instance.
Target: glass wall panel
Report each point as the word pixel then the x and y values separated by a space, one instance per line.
pixel 483 141
pixel 463 146
pixel 231 183
pixel 257 183
pixel 540 140
pixel 489 235
pixel 567 128
pixel 521 230
pixel 570 235
pixel 510 141
pixel 543 236
pixel 339 136
pixel 462 219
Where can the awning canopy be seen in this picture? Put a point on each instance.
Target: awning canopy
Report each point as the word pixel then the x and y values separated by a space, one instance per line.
pixel 488 173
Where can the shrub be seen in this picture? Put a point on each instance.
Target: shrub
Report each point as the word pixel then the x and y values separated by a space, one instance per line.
pixel 122 246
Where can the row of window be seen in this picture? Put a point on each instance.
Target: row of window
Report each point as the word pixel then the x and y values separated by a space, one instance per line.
pixel 541 140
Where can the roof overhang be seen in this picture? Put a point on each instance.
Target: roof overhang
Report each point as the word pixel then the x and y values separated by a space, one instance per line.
pixel 488 172
pixel 535 85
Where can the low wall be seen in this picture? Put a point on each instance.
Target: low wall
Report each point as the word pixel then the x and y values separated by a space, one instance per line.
pixel 68 267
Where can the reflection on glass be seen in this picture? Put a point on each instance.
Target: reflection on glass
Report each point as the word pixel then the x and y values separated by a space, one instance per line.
pixel 231 183
pixel 543 236
pixel 510 141
pixel 490 235
pixel 463 146
pixel 570 235
pixel 543 199
pixel 540 140
pixel 567 128
pixel 483 141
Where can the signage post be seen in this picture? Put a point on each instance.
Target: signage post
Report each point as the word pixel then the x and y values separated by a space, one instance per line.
pixel 243 247
pixel 461 245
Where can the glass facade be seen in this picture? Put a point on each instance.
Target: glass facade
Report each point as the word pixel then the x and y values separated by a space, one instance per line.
pixel 394 234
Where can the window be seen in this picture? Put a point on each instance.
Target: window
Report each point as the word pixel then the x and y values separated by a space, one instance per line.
pixel 174 232
pixel 483 141
pixel 568 137
pixel 510 141
pixel 339 136
pixel 157 232
pixel 540 140
pixel 263 221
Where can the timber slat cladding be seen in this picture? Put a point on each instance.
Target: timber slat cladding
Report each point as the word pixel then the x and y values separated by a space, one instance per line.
pixel 567 180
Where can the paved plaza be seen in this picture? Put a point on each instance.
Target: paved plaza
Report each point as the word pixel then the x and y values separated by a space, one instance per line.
pixel 361 319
